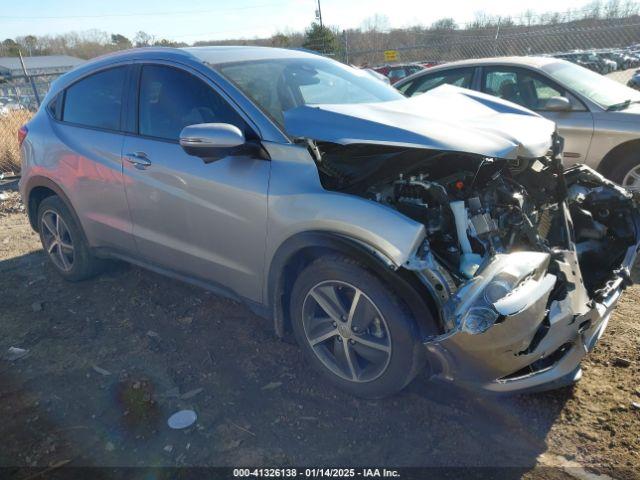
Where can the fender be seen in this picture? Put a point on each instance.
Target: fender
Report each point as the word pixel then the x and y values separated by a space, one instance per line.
pixel 41 181
pixel 310 245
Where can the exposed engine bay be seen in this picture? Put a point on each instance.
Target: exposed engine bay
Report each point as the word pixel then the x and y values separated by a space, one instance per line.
pixel 474 207
pixel 520 262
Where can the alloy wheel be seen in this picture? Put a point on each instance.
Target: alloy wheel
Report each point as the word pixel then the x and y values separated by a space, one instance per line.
pixel 57 240
pixel 346 331
pixel 632 179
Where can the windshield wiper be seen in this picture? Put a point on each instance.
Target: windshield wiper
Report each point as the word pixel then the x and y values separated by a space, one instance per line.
pixel 621 106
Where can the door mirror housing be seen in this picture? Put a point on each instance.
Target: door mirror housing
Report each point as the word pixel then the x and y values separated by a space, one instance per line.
pixel 558 104
pixel 211 141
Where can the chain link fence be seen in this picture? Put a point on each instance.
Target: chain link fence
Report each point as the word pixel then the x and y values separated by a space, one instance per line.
pixel 19 99
pixel 609 46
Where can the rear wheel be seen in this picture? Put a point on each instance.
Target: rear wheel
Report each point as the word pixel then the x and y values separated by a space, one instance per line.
pixel 353 329
pixel 64 243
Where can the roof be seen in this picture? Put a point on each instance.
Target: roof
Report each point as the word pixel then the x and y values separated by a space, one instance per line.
pixel 529 61
pixel 228 54
pixel 40 62
pixel 211 55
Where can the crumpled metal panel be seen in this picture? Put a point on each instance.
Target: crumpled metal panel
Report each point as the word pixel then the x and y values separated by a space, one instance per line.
pixel 446 118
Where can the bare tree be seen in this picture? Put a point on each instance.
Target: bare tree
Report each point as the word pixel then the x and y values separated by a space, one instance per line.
pixel 142 39
pixel 444 24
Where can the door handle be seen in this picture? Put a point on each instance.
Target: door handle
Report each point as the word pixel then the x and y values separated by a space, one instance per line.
pixel 138 159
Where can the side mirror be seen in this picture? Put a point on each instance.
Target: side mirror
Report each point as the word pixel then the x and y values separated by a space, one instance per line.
pixel 558 104
pixel 211 141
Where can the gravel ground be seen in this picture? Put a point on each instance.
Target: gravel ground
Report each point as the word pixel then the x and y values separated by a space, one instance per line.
pixel 110 359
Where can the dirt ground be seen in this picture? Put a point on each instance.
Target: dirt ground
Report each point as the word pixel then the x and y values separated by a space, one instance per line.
pixel 110 359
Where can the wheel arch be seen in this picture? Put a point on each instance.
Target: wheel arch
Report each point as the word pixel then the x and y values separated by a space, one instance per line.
pixel 37 189
pixel 303 248
pixel 608 163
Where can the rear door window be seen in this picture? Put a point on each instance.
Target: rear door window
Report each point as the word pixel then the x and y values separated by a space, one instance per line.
pixel 96 100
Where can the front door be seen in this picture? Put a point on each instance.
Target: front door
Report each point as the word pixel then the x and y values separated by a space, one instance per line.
pixel 204 220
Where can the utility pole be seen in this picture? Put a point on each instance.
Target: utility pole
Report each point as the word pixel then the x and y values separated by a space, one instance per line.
pixel 319 13
pixel 495 44
pixel 319 18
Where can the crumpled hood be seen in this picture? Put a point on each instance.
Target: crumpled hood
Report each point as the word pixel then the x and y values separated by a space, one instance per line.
pixel 446 118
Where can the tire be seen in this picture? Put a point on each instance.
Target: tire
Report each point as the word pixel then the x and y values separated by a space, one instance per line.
pixel 623 167
pixel 379 318
pixel 67 248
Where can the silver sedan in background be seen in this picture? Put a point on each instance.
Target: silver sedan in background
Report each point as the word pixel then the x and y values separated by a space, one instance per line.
pixel 599 118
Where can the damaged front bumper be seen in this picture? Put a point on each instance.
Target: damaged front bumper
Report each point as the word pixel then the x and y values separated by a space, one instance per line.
pixel 543 328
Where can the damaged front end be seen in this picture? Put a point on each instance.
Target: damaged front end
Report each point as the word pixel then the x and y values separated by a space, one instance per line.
pixel 525 262
pixel 537 302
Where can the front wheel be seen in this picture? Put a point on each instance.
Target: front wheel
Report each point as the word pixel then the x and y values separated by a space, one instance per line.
pixel 627 172
pixel 353 329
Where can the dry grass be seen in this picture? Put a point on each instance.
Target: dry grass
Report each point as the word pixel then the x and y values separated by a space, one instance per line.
pixel 9 151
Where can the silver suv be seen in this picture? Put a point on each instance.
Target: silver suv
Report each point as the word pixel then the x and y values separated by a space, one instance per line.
pixel 383 233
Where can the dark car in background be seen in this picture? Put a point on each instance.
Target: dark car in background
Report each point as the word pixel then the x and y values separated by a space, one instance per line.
pixel 395 73
pixel 589 60
pixel 602 61
pixel 634 81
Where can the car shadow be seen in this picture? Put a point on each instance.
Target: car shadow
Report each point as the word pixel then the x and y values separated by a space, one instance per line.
pixel 111 358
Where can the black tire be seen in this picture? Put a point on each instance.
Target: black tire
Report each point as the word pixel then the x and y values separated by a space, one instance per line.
pixel 623 166
pixel 81 263
pixel 407 355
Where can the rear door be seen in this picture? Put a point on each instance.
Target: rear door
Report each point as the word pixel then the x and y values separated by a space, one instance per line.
pixel 203 220
pixel 89 118
pixel 532 90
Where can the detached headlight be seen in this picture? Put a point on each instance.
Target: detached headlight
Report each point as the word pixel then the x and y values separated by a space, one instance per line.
pixel 504 287
pixel 481 314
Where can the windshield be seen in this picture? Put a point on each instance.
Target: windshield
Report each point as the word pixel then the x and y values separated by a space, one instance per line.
pixel 599 89
pixel 278 85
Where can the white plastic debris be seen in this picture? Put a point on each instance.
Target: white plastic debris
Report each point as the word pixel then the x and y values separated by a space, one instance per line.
pixel 272 386
pixel 101 371
pixel 3 196
pixel 15 353
pixel 191 393
pixel 182 419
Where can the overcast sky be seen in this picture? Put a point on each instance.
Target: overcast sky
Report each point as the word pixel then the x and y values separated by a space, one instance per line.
pixel 194 20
